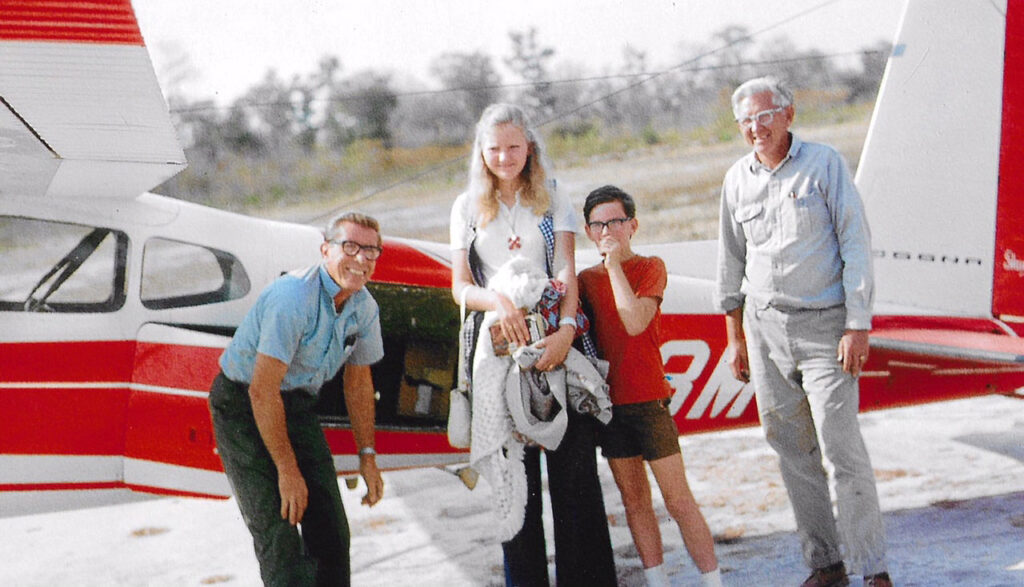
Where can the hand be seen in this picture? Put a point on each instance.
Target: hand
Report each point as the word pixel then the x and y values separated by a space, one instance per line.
pixel 611 249
pixel 738 361
pixel 853 351
pixel 512 321
pixel 294 494
pixel 556 348
pixel 374 483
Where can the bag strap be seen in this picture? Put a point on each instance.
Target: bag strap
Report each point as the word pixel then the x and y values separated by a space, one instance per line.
pixel 462 349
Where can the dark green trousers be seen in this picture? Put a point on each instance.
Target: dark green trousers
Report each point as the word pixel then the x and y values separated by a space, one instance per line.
pixel 317 551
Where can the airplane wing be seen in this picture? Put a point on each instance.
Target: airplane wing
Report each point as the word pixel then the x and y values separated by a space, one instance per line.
pixel 977 347
pixel 81 112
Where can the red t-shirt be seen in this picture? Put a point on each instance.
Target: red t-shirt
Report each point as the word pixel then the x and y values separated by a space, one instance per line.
pixel 635 372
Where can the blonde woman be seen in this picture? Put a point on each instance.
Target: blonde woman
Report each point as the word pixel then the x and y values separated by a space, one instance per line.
pixel 511 209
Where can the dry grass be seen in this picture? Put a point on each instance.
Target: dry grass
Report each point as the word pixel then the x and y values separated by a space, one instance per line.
pixel 676 188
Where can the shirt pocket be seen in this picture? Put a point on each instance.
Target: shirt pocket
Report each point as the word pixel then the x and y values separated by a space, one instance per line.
pixel 347 348
pixel 752 218
pixel 336 356
pixel 811 212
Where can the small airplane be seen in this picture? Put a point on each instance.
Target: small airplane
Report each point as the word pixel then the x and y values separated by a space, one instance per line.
pixel 115 303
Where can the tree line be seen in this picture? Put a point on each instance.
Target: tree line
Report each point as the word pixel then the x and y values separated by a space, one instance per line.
pixel 281 126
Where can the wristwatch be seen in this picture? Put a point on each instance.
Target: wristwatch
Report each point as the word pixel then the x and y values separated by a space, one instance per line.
pixel 367 450
pixel 567 322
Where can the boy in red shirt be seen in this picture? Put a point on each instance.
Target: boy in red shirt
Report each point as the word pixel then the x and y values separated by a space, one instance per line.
pixel 623 294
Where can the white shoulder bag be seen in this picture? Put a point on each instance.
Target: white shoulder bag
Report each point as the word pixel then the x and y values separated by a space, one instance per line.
pixel 460 414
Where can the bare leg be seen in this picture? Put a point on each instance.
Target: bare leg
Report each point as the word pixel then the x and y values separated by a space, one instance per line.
pixel 671 476
pixel 631 477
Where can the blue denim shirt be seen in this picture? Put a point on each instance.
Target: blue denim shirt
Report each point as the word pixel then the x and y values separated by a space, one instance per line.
pixel 795 237
pixel 294 321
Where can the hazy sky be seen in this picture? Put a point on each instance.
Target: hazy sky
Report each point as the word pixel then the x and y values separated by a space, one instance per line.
pixel 232 43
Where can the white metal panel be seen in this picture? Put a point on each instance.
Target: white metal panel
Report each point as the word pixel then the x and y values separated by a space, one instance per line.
pixel 93 104
pixel 58 469
pixel 175 477
pixel 265 248
pixel 26 165
pixel 929 171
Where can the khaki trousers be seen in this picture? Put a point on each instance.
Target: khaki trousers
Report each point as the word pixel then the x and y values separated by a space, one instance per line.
pixel 808 408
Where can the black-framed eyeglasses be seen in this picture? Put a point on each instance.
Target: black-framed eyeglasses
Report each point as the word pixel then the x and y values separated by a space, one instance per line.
pixel 598 226
pixel 352 248
pixel 763 118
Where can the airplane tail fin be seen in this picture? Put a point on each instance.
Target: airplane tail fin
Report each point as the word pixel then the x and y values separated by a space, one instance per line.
pixel 940 173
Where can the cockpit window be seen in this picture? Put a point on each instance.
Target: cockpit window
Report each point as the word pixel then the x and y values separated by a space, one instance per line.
pixel 176 274
pixel 60 267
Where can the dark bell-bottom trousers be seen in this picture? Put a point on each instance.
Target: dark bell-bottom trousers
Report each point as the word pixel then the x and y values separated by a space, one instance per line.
pixel 583 550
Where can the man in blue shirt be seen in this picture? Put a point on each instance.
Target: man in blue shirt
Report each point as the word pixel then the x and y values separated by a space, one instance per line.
pixel 795 281
pixel 303 328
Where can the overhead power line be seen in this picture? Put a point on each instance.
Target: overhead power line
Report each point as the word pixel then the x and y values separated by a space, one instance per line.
pixel 689 66
pixel 641 78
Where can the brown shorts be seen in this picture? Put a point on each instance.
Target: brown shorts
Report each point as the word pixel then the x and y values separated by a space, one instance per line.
pixel 644 429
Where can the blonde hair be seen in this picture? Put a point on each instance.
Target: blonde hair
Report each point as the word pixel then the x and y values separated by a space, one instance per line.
pixel 483 185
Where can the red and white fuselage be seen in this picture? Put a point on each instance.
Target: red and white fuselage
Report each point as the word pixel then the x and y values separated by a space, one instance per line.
pixel 108 394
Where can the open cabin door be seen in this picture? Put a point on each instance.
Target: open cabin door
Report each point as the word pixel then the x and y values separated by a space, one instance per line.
pixel 420 327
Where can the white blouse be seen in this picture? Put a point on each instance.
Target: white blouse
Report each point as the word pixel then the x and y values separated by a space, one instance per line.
pixel 492 241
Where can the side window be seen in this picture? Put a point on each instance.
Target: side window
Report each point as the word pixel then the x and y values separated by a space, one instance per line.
pixel 176 274
pixel 60 267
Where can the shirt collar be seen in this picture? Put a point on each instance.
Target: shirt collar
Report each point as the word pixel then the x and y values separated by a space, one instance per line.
pixel 754 165
pixel 514 206
pixel 331 289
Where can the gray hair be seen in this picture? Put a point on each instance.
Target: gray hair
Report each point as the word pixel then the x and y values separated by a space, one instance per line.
pixel 782 96
pixel 334 226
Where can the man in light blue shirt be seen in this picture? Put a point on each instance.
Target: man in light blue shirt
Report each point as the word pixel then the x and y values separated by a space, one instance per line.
pixel 795 282
pixel 303 328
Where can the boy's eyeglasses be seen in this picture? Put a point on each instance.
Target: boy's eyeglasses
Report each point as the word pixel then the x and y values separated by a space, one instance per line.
pixel 598 226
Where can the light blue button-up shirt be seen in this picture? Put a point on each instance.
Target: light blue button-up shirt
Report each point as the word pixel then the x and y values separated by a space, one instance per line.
pixel 294 321
pixel 795 237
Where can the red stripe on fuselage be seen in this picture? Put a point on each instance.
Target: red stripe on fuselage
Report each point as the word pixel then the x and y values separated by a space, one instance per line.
pixel 71 421
pixel 406 265
pixel 67 361
pixel 173 429
pixel 1008 271
pixel 64 406
pixel 901 379
pixel 176 366
pixel 392 442
pixel 108 22
pixel 85 486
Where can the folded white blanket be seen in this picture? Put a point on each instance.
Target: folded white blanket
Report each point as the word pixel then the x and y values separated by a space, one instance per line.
pixel 496 447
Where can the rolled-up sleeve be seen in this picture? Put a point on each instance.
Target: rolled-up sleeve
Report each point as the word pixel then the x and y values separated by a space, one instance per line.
pixel 732 255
